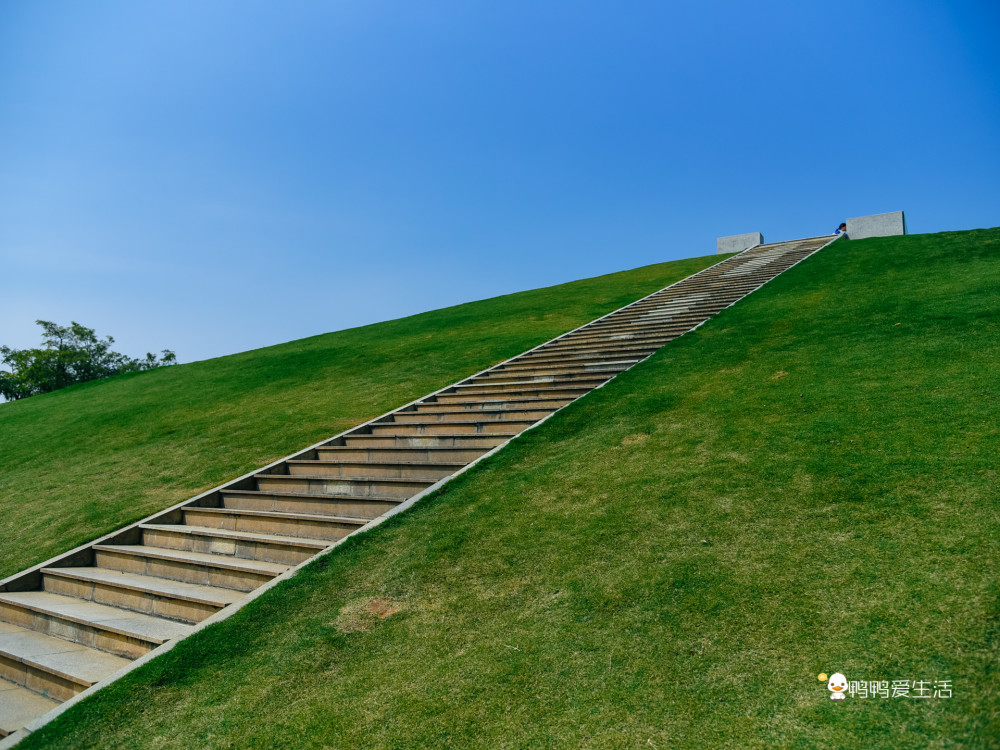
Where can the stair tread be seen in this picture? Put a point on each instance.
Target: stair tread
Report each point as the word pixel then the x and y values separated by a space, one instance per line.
pixel 393 448
pixel 19 706
pixel 179 589
pixel 73 661
pixel 532 386
pixel 438 423
pixel 529 404
pixel 349 461
pixel 318 495
pixel 559 378
pixel 328 478
pixel 592 362
pixel 527 407
pixel 248 536
pixel 281 514
pixel 123 621
pixel 204 558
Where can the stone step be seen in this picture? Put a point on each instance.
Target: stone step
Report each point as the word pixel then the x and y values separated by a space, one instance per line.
pixel 501 377
pixel 566 374
pixel 396 488
pixel 657 317
pixel 639 319
pixel 478 388
pixel 117 631
pixel 20 706
pixel 486 442
pixel 622 349
pixel 464 415
pixel 243 545
pixel 655 337
pixel 651 324
pixel 297 502
pixel 223 571
pixel 480 427
pixel 310 526
pixel 501 392
pixel 568 366
pixel 656 341
pixel 635 321
pixel 569 392
pixel 407 455
pixel 474 407
pixel 637 354
pixel 160 597
pixel 52 667
pixel 423 470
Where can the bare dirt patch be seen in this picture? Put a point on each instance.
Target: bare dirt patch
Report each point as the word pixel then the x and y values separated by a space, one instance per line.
pixel 363 614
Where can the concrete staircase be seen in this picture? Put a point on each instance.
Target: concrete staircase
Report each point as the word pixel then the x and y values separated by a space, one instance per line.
pixel 86 616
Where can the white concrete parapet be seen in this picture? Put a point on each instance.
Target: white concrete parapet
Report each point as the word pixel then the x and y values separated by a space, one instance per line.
pixel 876 225
pixel 738 242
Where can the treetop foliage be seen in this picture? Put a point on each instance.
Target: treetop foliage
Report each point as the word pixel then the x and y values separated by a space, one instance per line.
pixel 69 354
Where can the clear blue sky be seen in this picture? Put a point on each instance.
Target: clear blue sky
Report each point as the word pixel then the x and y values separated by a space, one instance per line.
pixel 213 175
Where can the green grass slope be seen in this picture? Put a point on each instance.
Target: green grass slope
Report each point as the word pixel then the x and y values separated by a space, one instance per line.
pixel 806 484
pixel 82 462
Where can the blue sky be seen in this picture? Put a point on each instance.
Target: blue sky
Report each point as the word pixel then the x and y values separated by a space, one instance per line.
pixel 213 176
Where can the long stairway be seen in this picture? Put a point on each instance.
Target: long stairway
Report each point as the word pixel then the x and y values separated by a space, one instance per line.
pixel 85 616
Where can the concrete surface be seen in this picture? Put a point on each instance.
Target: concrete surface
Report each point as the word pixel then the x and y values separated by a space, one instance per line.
pixel 737 243
pixel 876 225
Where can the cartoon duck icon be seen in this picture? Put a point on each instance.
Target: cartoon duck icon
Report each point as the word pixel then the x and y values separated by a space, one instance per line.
pixel 837 685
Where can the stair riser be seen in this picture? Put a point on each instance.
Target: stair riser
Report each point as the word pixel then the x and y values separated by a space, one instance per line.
pixel 390 471
pixel 90 635
pixel 504 378
pixel 343 486
pixel 400 454
pixel 598 345
pixel 527 372
pixel 477 407
pixel 304 528
pixel 146 602
pixel 553 359
pixel 558 370
pixel 465 416
pixel 359 508
pixel 275 552
pixel 641 318
pixel 449 428
pixel 651 333
pixel 692 311
pixel 38 679
pixel 177 570
pixel 486 442
pixel 498 396
pixel 480 389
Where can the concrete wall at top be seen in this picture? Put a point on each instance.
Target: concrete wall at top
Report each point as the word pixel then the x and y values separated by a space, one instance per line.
pixel 877 225
pixel 738 242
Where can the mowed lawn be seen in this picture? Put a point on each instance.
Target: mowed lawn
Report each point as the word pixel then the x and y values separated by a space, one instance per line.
pixel 807 484
pixel 84 461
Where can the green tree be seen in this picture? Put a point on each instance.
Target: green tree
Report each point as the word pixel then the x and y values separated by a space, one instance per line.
pixel 69 354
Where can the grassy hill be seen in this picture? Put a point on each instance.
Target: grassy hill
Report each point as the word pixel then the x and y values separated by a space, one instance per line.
pixel 807 484
pixel 86 460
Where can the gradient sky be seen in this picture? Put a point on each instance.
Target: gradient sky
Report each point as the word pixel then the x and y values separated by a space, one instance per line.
pixel 213 176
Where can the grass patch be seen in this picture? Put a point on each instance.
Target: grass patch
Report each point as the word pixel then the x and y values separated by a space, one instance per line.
pixel 668 563
pixel 89 459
